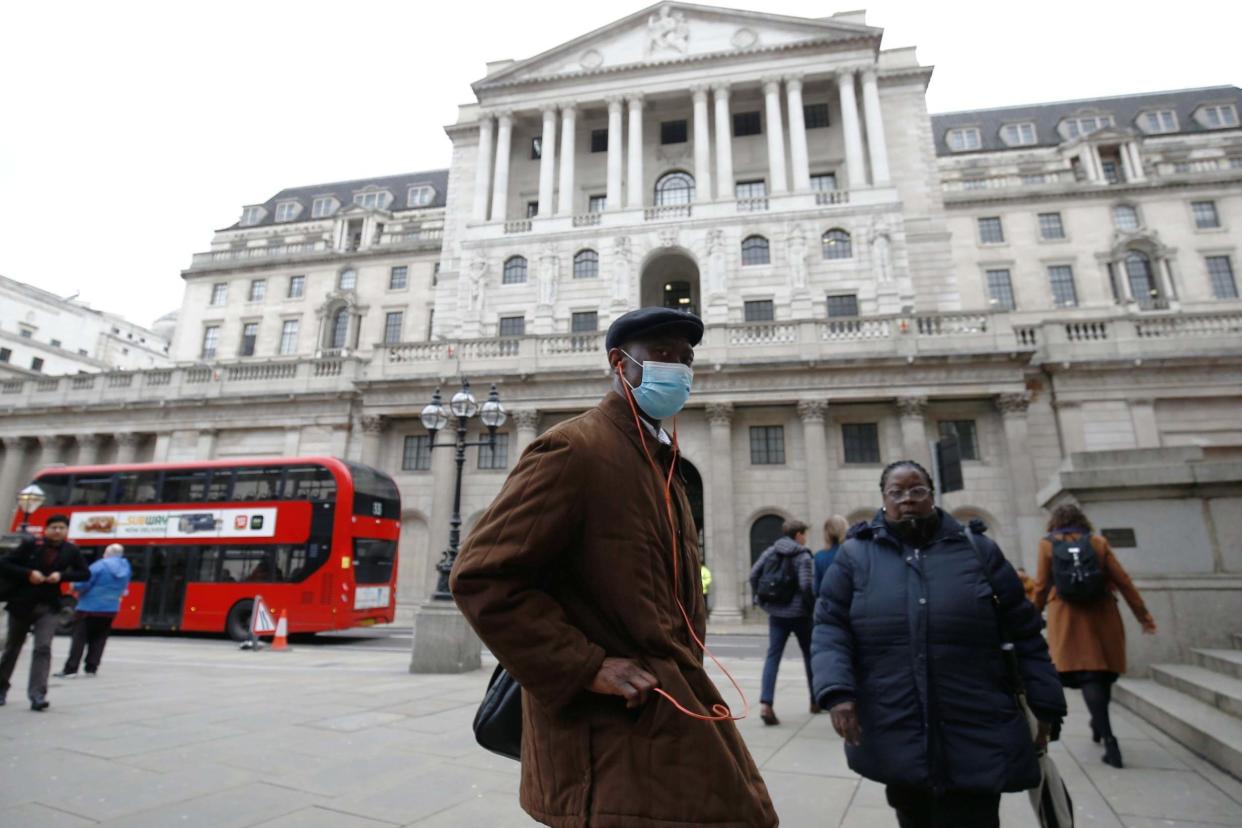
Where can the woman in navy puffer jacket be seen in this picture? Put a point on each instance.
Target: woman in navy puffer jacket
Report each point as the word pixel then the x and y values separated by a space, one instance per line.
pixel 907 659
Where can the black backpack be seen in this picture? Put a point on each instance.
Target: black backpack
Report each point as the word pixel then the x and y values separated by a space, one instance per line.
pixel 1076 571
pixel 778 580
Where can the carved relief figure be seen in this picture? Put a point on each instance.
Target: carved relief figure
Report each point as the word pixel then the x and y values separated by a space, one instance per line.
pixel 881 250
pixel 476 281
pixel 668 30
pixel 549 274
pixel 621 256
pixel 797 257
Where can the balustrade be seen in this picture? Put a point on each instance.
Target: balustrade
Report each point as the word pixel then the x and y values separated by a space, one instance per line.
pixel 823 197
pixel 522 226
pixel 666 211
pixel 758 204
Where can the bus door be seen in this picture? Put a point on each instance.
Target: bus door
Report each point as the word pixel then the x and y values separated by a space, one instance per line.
pixel 167 568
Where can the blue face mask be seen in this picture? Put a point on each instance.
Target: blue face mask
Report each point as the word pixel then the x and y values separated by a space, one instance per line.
pixel 664 389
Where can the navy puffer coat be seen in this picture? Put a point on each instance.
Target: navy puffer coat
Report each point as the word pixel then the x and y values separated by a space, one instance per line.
pixel 911 635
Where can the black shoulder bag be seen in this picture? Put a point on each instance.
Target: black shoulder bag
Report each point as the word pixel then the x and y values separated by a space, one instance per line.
pixel 498 722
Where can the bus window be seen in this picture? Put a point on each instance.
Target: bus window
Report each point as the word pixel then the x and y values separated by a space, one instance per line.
pixel 256 484
pixel 373 560
pixel 55 488
pixel 309 483
pixel 137 487
pixel 248 564
pixel 91 489
pixel 184 486
pixel 137 557
pixel 375 495
pixel 221 484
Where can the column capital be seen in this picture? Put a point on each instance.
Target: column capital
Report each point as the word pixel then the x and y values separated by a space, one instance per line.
pixel 127 438
pixel 526 419
pixel 549 109
pixel 45 440
pixel 868 71
pixel 635 101
pixel 11 443
pixel 719 413
pixel 771 84
pixel 568 108
pixel 87 439
pixel 912 406
pixel 698 92
pixel 812 411
pixel 721 89
pixel 373 424
pixel 1010 404
pixel 504 116
pixel 793 82
pixel 614 102
pixel 846 72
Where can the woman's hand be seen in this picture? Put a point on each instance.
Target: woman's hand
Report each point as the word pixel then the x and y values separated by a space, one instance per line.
pixel 845 723
pixel 1149 626
pixel 1041 737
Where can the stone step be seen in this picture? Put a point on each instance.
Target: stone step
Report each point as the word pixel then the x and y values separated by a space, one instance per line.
pixel 1209 732
pixel 1221 691
pixel 1228 662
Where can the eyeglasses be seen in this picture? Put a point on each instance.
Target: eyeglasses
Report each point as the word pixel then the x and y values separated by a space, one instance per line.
pixel 898 495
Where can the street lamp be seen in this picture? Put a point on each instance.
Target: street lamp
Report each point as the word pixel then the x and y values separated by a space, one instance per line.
pixel 29 499
pixel 463 406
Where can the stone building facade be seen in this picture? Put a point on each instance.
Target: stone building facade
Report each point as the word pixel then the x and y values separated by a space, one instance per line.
pixel 782 178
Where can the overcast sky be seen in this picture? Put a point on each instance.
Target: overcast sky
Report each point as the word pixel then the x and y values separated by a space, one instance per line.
pixel 130 131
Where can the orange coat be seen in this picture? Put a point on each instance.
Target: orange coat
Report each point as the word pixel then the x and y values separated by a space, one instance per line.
pixel 1091 636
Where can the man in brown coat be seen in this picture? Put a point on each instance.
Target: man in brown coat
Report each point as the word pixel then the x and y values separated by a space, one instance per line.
pixel 571 580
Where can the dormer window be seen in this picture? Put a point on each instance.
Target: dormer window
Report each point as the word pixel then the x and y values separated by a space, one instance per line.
pixel 1018 135
pixel 964 139
pixel 1084 125
pixel 288 210
pixel 1217 116
pixel 252 215
pixel 324 206
pixel 420 195
pixel 1158 121
pixel 373 199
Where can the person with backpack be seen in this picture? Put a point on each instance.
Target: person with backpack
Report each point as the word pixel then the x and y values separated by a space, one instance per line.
pixel 1077 580
pixel 782 584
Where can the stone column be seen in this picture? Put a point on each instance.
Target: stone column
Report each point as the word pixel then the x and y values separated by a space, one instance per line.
pixel 1021 476
pixel 776 136
pixel 127 443
pixel 877 146
pixel 11 481
pixel 206 447
pixel 634 187
pixel 483 168
pixel 45 452
pixel 818 466
pixel 338 441
pixel 500 187
pixel 853 133
pixel 569 116
pixel 88 449
pixel 798 152
pixel 372 440
pixel 728 559
pixel 914 429
pixel 293 438
pixel 702 145
pixel 527 422
pixel 547 162
pixel 1136 160
pixel 163 445
pixel 724 142
pixel 614 152
pixel 1146 427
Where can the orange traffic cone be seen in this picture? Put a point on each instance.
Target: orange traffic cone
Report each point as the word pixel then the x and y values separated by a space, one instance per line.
pixel 281 641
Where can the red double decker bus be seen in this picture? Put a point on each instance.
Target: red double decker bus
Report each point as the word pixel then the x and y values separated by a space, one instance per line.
pixel 315 536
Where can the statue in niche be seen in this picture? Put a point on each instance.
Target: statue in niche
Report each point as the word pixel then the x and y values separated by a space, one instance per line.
pixel 796 244
pixel 549 274
pixel 881 250
pixel 668 30
pixel 476 282
pixel 621 256
pixel 715 257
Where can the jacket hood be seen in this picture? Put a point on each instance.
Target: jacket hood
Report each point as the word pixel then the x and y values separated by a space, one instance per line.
pixel 118 566
pixel 788 546
pixel 878 528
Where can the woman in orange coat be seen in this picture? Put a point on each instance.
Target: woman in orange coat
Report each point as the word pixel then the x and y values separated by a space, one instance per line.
pixel 1087 639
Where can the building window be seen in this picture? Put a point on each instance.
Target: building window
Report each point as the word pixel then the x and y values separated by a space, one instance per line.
pixel 1205 214
pixel 348 280
pixel 252 215
pixel 586 264
pixel 211 341
pixel 399 278
pixel 6 354
pixel 759 310
pixel 963 139
pixel 767 445
pixel 374 199
pixel 27 333
pixel 495 456
pixel 1018 135
pixel 258 290
pixel 836 244
pixel 431 322
pixel 324 206
pixel 747 123
pixel 340 329
pixel 514 271
pixel 964 431
pixel 1111 173
pixel 532 209
pixel 1215 117
pixel 420 195
pixel 674 188
pixel 1142 280
pixel 1029 179
pixel 815 116
pixel 672 132
pixel 599 140
pixel 1050 227
pixel 250 336
pixel 1061 278
pixel 597 203
pixel 297 287
pixel 1220 270
pixel 1000 289
pixel 219 293
pixel 1075 127
pixel 1158 121
pixel 392 327
pixel 990 230
pixel 755 251
pixel 289 337
pixel 750 189
pixel 536 147
pixel 822 182
pixel 584 322
pixel 416 453
pixel 861 441
pixel 513 326
pixel 1125 217
pixel 842 306
pixel 36 364
pixel 287 210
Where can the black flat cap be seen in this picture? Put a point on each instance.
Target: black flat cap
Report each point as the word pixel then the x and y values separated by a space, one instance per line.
pixel 648 322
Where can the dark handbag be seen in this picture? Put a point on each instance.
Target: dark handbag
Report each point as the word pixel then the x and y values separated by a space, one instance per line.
pixel 498 722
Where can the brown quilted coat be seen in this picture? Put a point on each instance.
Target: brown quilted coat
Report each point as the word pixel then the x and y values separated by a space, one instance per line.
pixel 572 562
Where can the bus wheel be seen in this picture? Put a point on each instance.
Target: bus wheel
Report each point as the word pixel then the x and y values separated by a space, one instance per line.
pixel 238 623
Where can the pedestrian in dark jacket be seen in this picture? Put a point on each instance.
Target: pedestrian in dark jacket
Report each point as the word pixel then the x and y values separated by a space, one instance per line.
pixel 40 566
pixel 789 556
pixel 835 528
pixel 907 656
pixel 99 600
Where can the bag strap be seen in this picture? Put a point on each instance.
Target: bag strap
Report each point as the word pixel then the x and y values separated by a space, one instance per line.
pixel 983 565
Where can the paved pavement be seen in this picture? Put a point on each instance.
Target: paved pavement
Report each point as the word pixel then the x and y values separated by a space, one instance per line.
pixel 193 732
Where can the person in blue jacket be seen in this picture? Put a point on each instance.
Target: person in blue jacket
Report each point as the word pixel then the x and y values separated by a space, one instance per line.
pixel 835 528
pixel 907 659
pixel 99 600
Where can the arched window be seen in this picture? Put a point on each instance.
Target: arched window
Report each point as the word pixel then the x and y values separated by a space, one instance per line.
pixel 674 188
pixel 755 251
pixel 586 264
pixel 836 244
pixel 1142 279
pixel 348 280
pixel 763 533
pixel 515 270
pixel 1126 217
pixel 340 329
